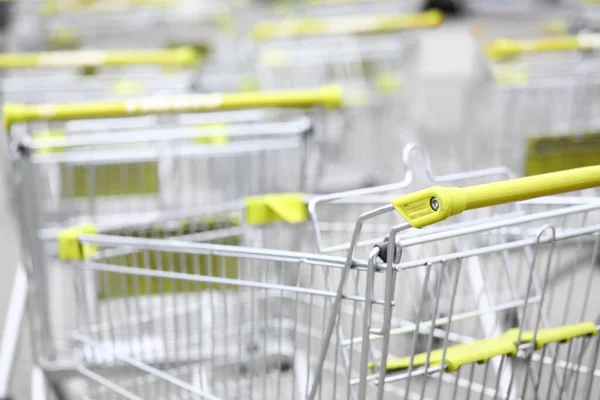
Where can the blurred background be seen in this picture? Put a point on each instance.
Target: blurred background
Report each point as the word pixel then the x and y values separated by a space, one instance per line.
pixel 475 83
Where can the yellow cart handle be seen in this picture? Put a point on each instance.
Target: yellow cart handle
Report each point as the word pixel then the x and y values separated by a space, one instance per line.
pixel 53 7
pixel 346 25
pixel 183 56
pixel 502 49
pixel 435 204
pixel 326 96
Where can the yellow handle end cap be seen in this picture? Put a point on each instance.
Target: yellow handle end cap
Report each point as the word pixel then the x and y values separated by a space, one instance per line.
pixel 12 113
pixel 434 18
pixel 187 55
pixel 502 49
pixel 431 205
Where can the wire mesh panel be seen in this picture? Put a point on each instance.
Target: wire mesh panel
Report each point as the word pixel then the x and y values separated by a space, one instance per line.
pixel 477 288
pixel 147 170
pixel 254 325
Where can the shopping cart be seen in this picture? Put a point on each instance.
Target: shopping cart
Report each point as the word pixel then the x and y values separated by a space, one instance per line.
pixel 86 75
pixel 539 113
pixel 370 55
pixel 461 314
pixel 113 24
pixel 259 322
pixel 146 158
pixel 298 52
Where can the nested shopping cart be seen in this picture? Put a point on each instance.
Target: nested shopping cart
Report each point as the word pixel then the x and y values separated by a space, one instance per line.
pixel 538 113
pixel 115 23
pixel 346 48
pixel 371 55
pixel 196 312
pixel 86 75
pixel 140 159
pixel 461 289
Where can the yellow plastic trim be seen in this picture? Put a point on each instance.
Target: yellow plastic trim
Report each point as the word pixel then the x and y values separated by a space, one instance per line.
pixel 57 7
pixel 63 37
pixel 513 76
pixel 388 83
pixel 556 153
pixel 502 49
pixel 560 334
pixel 274 58
pixel 183 56
pixel 287 207
pixel 416 207
pixel 249 83
pixel 69 248
pixel 325 96
pixel 48 137
pixel 456 356
pixel 357 99
pixel 346 25
pixel 127 87
pixel 226 22
pixel 556 27
pixel 212 134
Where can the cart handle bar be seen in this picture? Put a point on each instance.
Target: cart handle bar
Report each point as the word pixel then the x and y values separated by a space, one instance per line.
pixel 183 56
pixel 437 203
pixel 346 25
pixel 503 49
pixel 325 96
pixel 56 7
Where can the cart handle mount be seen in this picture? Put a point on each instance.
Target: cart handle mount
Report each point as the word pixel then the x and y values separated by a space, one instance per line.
pixel 437 203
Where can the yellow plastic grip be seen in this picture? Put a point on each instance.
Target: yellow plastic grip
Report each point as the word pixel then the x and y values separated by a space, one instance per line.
pixel 326 96
pixel 346 25
pixel 560 334
pixel 435 204
pixel 212 134
pixel 479 351
pixel 288 207
pixel 69 248
pixel 183 56
pixel 502 49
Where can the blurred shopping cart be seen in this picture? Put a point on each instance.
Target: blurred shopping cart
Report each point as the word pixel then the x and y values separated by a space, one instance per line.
pixel 64 76
pixel 347 48
pixel 370 55
pixel 114 24
pixel 153 154
pixel 145 158
pixel 539 113
pixel 217 319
